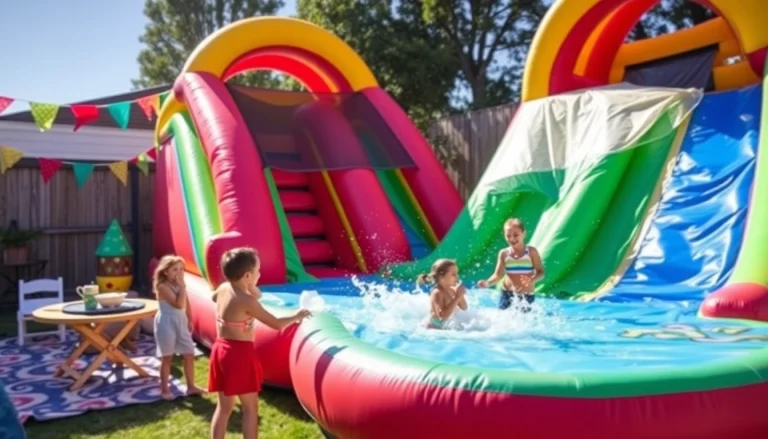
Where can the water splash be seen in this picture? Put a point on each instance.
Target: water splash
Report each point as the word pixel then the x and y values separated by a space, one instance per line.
pixel 555 336
pixel 388 309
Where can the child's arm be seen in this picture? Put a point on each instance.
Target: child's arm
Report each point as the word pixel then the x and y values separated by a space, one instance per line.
pixel 257 311
pixel 463 301
pixel 189 315
pixel 176 300
pixel 538 267
pixel 444 312
pixel 498 273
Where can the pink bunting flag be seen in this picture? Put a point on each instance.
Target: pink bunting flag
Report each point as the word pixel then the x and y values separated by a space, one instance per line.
pixel 84 114
pixel 5 103
pixel 152 153
pixel 48 168
pixel 147 106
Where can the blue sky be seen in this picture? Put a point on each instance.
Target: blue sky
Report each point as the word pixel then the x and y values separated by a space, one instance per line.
pixel 57 51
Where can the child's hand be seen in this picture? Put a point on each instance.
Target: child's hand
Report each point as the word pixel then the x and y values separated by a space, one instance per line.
pixel 461 290
pixel 190 326
pixel 180 281
pixel 483 284
pixel 301 315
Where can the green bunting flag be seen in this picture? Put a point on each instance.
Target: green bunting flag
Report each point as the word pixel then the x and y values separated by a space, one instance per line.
pixel 82 172
pixel 121 113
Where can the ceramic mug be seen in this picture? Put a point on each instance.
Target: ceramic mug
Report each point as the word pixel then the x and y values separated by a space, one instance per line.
pixel 88 293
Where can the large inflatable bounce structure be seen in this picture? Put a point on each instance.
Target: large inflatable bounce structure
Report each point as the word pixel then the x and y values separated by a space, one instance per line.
pixel 636 168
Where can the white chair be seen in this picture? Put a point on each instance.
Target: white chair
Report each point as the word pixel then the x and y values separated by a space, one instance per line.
pixel 27 306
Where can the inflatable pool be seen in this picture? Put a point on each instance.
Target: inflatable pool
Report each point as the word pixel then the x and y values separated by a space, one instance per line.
pixel 634 167
pixel 633 369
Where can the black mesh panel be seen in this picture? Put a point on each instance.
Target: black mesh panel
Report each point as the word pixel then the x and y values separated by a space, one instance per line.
pixel 302 131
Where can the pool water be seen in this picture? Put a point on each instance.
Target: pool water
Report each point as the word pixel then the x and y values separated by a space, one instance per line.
pixel 556 336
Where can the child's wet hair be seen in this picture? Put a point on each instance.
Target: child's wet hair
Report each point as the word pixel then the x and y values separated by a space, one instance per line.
pixel 237 262
pixel 439 269
pixel 515 222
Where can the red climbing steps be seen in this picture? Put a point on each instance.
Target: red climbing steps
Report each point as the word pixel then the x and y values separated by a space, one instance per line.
pixel 307 227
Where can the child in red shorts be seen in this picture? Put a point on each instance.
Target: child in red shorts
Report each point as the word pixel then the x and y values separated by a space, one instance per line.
pixel 235 370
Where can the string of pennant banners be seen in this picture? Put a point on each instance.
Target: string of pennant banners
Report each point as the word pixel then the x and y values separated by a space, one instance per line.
pixel 44 115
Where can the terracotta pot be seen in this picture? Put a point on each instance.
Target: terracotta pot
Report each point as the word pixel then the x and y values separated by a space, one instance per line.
pixel 16 255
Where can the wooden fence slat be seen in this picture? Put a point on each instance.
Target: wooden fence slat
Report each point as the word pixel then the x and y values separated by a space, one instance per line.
pixel 466 143
pixel 76 218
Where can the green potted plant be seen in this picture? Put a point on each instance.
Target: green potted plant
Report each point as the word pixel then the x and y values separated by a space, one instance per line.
pixel 15 243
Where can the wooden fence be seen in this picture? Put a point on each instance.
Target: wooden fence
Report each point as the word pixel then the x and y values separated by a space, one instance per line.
pixel 74 219
pixel 465 143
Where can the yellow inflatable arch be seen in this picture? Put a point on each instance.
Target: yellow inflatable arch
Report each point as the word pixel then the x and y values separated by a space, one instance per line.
pixel 581 43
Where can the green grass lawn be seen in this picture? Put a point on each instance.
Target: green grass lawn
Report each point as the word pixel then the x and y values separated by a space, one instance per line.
pixel 281 416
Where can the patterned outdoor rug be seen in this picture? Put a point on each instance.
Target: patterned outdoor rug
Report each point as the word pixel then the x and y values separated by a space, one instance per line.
pixel 27 374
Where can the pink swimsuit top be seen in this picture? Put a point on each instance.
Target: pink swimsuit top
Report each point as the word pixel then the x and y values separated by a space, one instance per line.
pixel 246 324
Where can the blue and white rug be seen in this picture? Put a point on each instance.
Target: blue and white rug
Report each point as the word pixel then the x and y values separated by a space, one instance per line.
pixel 27 375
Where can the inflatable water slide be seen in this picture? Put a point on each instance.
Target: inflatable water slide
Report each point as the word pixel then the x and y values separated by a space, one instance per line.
pixel 632 164
pixel 326 183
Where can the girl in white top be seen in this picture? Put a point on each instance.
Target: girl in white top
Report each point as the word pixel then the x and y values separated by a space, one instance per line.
pixel 173 323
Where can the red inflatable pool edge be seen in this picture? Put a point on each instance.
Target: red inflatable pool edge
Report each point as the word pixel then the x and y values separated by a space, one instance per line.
pixel 746 301
pixel 352 399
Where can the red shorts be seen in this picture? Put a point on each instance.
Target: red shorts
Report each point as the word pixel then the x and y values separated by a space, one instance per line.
pixel 234 368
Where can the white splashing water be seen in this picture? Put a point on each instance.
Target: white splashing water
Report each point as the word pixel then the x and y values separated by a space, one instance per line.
pixel 384 309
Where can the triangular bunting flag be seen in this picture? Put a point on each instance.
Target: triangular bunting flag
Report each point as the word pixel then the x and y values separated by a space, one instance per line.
pixel 152 153
pixel 82 172
pixel 155 101
pixel 5 103
pixel 121 112
pixel 84 114
pixel 120 169
pixel 162 97
pixel 146 105
pixel 142 164
pixel 44 114
pixel 48 168
pixel 9 157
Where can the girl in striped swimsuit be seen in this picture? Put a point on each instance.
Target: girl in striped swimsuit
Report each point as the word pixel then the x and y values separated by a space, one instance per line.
pixel 519 266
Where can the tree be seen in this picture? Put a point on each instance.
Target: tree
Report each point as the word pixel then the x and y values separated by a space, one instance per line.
pixel 670 16
pixel 409 58
pixel 176 27
pixel 491 39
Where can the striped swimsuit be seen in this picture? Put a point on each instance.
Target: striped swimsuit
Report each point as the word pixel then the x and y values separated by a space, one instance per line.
pixel 516 266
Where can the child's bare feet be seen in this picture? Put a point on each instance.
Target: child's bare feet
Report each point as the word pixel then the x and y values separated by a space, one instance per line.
pixel 194 391
pixel 167 395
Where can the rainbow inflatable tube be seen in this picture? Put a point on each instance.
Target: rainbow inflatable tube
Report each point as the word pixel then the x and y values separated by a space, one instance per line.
pixel 214 192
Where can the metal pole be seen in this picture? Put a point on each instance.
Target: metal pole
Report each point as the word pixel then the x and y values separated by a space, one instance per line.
pixel 138 274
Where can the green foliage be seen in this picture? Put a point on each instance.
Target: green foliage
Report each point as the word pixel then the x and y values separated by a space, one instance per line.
pixel 411 60
pixel 176 27
pixel 491 39
pixel 13 237
pixel 669 16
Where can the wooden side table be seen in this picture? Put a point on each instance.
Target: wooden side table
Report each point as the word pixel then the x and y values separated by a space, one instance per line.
pixel 108 347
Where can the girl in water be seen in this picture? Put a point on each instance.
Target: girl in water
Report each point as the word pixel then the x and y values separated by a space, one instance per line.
pixel 448 293
pixel 519 265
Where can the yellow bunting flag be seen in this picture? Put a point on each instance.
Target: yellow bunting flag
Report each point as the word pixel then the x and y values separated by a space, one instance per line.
pixel 9 157
pixel 44 114
pixel 120 169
